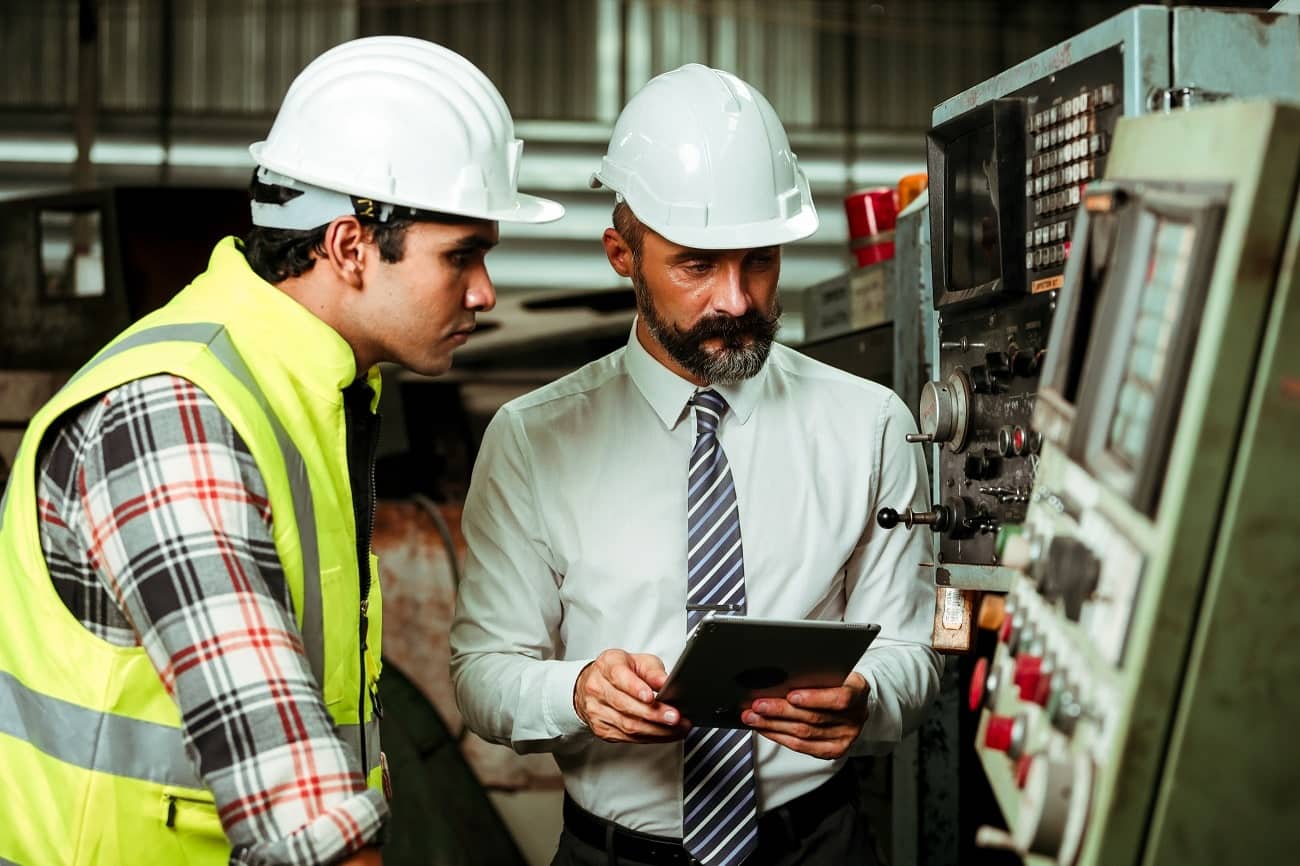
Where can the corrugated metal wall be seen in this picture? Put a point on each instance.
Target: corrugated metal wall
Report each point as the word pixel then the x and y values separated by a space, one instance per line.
pixel 824 64
pixel 185 85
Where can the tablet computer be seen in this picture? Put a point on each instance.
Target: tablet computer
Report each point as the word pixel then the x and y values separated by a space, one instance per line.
pixel 729 661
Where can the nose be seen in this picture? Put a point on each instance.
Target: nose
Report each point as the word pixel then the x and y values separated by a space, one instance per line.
pixel 481 295
pixel 732 294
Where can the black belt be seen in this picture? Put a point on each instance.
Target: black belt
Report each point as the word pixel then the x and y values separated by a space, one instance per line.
pixel 778 829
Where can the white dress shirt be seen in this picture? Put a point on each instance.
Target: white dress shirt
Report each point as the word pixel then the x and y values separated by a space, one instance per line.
pixel 576 527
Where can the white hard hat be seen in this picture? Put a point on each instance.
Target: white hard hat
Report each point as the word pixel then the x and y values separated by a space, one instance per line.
pixel 396 121
pixel 701 158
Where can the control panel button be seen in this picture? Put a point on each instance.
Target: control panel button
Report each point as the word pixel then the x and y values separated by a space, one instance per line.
pixel 1028 674
pixel 1006 734
pixel 978 678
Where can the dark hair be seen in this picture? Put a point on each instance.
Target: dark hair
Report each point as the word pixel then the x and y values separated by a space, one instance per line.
pixel 275 255
pixel 631 229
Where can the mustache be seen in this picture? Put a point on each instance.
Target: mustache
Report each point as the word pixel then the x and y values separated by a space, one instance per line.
pixel 730 329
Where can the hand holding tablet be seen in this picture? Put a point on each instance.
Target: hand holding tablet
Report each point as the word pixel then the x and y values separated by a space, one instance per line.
pixel 730 662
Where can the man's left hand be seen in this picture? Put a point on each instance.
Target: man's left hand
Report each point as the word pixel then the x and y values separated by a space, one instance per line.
pixel 818 722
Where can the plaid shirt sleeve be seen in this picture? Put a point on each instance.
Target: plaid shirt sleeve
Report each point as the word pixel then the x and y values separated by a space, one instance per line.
pixel 157 527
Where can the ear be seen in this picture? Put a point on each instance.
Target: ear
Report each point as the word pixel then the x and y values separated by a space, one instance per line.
pixel 618 252
pixel 347 250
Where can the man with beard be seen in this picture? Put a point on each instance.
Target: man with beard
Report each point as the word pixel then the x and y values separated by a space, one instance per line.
pixel 702 467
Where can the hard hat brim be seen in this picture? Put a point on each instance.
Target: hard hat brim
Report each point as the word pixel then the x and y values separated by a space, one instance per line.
pixel 745 236
pixel 748 236
pixel 524 208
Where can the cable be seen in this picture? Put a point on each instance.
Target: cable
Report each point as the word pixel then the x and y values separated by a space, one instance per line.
pixel 430 507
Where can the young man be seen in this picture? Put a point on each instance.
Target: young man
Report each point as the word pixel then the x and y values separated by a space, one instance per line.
pixel 189 637
pixel 700 467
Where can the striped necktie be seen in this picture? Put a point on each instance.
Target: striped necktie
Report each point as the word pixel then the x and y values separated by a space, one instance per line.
pixel 719 802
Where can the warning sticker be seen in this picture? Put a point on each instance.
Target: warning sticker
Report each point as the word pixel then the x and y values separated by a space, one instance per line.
pixel 953 608
pixel 1047 284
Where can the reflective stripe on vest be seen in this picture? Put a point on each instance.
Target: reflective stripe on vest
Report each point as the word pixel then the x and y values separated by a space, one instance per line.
pixel 123 746
pixel 351 734
pixel 145 750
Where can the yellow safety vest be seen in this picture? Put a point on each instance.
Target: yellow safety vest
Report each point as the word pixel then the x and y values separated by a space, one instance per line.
pixel 92 765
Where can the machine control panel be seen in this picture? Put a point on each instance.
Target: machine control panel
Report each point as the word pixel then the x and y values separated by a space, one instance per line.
pixel 1069 138
pixel 1007 180
pixel 1096 677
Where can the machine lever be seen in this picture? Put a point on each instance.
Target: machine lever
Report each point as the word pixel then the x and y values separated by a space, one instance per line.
pixel 919 437
pixel 939 519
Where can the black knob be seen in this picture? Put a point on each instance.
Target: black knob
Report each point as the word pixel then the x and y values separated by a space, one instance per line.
pixel 1070 573
pixel 939 519
pixel 983 465
pixel 999 364
pixel 1025 362
pixel 983 381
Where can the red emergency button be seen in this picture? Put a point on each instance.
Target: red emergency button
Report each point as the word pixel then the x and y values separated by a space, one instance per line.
pixel 1018 440
pixel 997 735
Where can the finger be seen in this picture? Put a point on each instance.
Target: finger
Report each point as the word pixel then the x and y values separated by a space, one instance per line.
pixel 625 679
pixel 779 708
pixel 827 749
pixel 800 730
pixel 628 705
pixel 615 727
pixel 834 700
pixel 651 669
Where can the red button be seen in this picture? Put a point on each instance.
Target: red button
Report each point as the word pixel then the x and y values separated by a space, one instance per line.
pixel 977 680
pixel 997 735
pixel 1042 689
pixel 1027 675
pixel 1004 634
pixel 1022 770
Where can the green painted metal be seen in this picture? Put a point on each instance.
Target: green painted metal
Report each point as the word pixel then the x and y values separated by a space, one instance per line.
pixel 1185 730
pixel 1229 790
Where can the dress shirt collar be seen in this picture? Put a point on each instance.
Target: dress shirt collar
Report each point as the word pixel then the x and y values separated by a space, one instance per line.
pixel 669 394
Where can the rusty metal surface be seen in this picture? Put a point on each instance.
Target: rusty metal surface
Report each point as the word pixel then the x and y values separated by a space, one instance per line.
pixel 419 600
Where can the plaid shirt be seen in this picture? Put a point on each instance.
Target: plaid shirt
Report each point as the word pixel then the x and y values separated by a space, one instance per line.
pixel 156 526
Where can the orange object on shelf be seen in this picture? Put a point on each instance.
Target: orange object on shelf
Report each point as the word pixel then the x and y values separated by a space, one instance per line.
pixel 911 186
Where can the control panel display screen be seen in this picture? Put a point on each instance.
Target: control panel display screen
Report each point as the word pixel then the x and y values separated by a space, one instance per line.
pixel 974 255
pixel 1163 297
pixel 1135 372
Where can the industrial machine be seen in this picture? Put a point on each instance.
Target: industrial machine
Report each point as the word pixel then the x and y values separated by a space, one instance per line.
pixel 1082 768
pixel 1008 162
pixel 1140 703
pixel 78 267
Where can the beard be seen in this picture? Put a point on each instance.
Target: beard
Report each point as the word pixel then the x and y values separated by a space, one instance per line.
pixel 745 340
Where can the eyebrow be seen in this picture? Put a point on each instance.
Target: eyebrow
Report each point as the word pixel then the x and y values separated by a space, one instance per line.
pixel 691 255
pixel 472 242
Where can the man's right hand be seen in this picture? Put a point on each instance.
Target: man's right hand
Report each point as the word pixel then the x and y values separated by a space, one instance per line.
pixel 615 697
